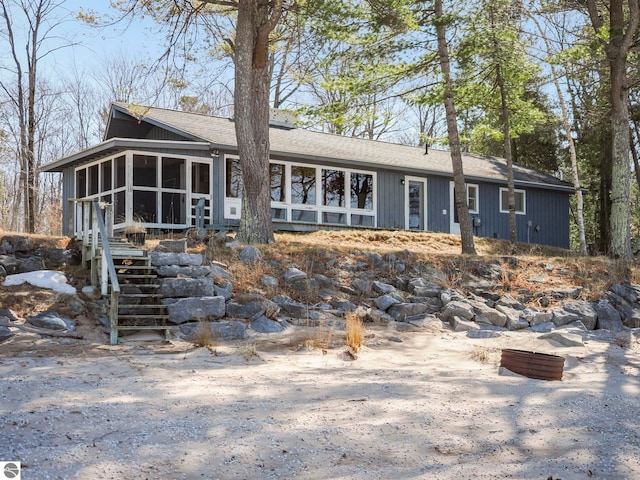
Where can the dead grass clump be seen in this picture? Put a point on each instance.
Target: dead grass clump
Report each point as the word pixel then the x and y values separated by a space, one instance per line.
pixel 204 336
pixel 481 354
pixel 322 338
pixel 355 331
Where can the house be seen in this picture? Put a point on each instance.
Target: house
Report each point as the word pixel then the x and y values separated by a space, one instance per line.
pixel 157 164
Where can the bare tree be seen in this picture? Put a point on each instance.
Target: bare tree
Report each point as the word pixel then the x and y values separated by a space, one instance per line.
pixel 39 20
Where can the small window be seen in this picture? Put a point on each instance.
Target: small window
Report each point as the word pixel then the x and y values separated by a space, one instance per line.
pixel 333 189
pixel 520 201
pixel 233 178
pixel 303 186
pixel 277 174
pixel 472 198
pixel 362 191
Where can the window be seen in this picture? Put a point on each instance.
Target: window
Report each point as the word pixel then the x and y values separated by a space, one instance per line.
pixel 145 171
pixel 333 188
pixel 362 191
pixel 303 185
pixel 520 201
pixel 233 178
pixel 472 198
pixel 277 174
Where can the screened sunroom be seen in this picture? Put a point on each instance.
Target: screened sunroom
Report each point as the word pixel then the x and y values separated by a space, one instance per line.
pixel 158 191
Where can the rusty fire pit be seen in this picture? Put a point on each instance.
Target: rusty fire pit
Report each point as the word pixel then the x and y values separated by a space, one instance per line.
pixel 541 366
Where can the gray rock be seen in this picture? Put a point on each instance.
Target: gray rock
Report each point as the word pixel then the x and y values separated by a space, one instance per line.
pixel 362 287
pixel 482 333
pixel 218 273
pixel 173 246
pixel 608 317
pixel 5 334
pixel 250 254
pixel 403 310
pixel 385 301
pixel 343 305
pixel 269 281
pixel 32 264
pixel 489 271
pixel 221 330
pixel 8 314
pixel 21 244
pixel 290 307
pixel 3 274
pixel 544 327
pixel 324 280
pixel 460 324
pixel 457 308
pixel 423 320
pixel 52 321
pixel 252 306
pixel 376 259
pixel 563 338
pixel 535 317
pixel 224 289
pixel 92 293
pixel 629 292
pixel 382 288
pixel 517 324
pixel 380 316
pixel 11 264
pixel 513 316
pixel 194 309
pixel 167 258
pixel 186 287
pixel 186 271
pixel 486 314
pixel 400 266
pixel 449 295
pixel 59 256
pixel 293 275
pixel 508 300
pixel 578 310
pixel 263 324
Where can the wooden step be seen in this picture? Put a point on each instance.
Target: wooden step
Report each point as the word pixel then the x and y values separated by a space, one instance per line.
pixel 143 317
pixel 145 327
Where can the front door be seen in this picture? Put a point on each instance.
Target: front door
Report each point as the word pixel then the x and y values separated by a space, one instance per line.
pixel 454 226
pixel 416 202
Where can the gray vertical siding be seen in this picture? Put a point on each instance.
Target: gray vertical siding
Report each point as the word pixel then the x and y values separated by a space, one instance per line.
pixel 390 199
pixel 547 208
pixel 437 202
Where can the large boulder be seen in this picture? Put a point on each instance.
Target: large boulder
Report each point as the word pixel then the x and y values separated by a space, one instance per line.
pixel 52 321
pixel 573 311
pixel 168 258
pixel 403 310
pixel 32 264
pixel 608 317
pixel 186 287
pixel 263 324
pixel 222 330
pixel 251 306
pixel 457 308
pixel 196 308
pixel 250 254
pixel 191 271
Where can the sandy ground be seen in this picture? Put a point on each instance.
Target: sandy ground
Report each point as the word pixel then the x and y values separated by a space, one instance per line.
pixel 426 407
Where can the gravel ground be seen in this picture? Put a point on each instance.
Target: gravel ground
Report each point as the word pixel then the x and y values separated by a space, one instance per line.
pixel 433 406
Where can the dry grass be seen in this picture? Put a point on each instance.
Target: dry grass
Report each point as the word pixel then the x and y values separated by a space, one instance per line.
pixel 46 241
pixel 322 338
pixel 355 331
pixel 481 354
pixel 204 336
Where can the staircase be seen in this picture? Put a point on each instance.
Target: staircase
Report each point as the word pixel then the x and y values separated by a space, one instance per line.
pixel 139 305
pixel 123 272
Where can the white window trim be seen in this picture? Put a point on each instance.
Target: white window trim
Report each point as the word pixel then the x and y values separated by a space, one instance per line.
pixel 516 191
pixel 129 187
pixel 475 211
pixel 317 207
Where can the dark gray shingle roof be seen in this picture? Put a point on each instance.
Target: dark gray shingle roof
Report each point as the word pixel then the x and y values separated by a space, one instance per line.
pixel 304 144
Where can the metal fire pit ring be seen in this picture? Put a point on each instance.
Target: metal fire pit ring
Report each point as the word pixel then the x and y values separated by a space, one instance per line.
pixel 541 366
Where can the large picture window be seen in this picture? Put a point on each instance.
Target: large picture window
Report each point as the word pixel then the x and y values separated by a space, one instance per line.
pixel 310 194
pixel 520 201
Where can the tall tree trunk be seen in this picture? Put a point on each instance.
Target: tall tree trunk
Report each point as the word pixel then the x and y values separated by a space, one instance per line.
pixel 466 231
pixel 252 81
pixel 623 29
pixel 567 128
pixel 511 194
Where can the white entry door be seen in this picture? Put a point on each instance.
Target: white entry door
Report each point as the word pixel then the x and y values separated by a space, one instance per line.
pixel 454 225
pixel 415 189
